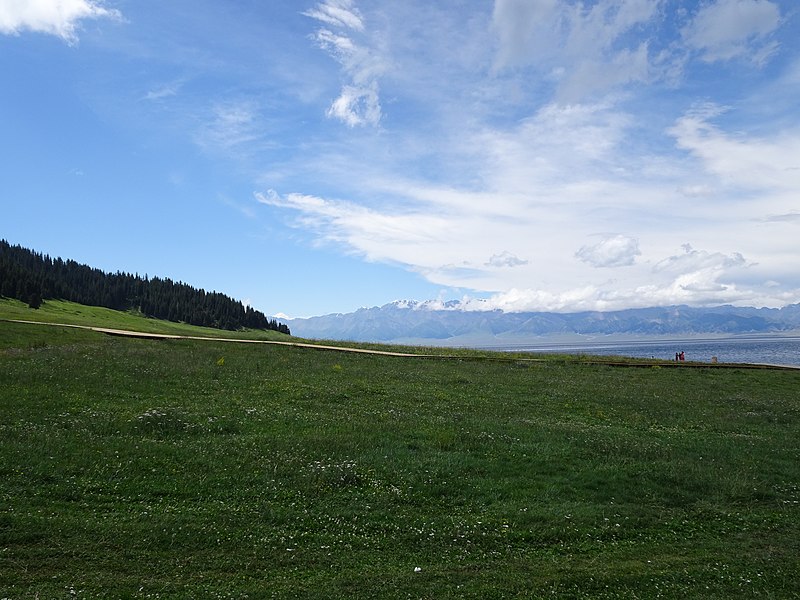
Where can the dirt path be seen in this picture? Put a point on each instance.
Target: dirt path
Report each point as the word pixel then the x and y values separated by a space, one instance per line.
pixel 593 361
pixel 167 336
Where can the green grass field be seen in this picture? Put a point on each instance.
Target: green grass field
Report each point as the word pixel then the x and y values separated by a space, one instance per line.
pixel 201 469
pixel 60 311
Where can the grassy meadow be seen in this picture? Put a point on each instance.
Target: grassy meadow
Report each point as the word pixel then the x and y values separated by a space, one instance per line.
pixel 202 469
pixel 70 313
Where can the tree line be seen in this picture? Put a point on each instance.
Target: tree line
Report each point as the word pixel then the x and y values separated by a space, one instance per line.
pixel 33 277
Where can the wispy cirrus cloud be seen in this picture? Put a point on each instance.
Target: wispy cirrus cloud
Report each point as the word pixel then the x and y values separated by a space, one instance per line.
pixel 584 48
pixel 730 29
pixel 61 18
pixel 236 127
pixel 337 13
pixel 375 234
pixel 164 91
pixel 342 37
pixel 745 161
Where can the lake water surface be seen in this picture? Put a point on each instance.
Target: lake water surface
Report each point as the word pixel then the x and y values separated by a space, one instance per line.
pixel 770 350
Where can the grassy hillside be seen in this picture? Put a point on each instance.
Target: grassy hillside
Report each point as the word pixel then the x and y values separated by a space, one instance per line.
pixel 173 469
pixel 61 311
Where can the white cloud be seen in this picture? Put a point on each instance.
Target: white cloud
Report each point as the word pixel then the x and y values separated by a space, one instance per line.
pixel 337 13
pixel 505 259
pixel 745 161
pixel 359 100
pixel 694 277
pixel 728 29
pixel 231 125
pixel 55 17
pixel 375 235
pixel 695 190
pixel 579 139
pixel 694 261
pixel 340 46
pixel 165 91
pixel 526 30
pixel 614 251
pixel 792 217
pixel 588 47
pixel 533 147
pixel 523 300
pixel 548 185
pixel 357 106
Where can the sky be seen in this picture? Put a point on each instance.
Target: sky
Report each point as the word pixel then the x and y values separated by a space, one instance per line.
pixel 313 157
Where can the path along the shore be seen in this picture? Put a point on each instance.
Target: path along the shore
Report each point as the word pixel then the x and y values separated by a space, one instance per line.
pixel 580 360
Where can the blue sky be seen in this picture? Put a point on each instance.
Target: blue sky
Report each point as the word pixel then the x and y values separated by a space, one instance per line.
pixel 313 157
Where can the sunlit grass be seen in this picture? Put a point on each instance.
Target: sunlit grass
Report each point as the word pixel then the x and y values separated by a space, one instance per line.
pixel 61 311
pixel 173 469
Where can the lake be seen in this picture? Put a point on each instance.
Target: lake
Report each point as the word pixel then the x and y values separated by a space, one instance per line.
pixel 769 350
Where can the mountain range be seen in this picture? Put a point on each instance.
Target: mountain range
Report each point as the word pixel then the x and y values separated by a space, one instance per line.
pixel 450 324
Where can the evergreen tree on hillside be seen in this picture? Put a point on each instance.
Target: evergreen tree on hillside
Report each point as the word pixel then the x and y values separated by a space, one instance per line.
pixel 31 277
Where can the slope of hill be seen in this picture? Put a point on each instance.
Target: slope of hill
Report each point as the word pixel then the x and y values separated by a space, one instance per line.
pixel 33 277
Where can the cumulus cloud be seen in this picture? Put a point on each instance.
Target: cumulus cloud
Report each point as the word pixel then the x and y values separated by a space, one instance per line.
pixel 614 251
pixel 359 100
pixel 54 17
pixel 693 261
pixel 729 29
pixel 526 299
pixel 695 277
